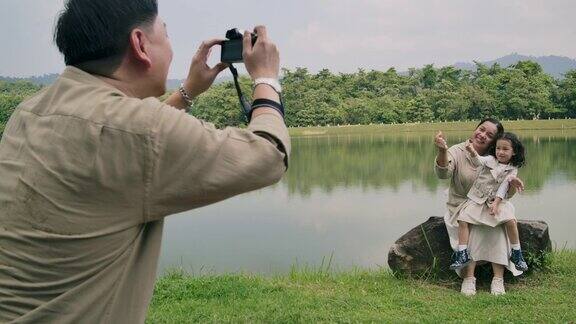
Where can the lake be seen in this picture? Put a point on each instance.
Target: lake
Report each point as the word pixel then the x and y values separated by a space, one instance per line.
pixel 346 199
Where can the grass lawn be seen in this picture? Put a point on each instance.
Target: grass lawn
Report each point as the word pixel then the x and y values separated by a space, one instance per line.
pixel 363 296
pixel 308 296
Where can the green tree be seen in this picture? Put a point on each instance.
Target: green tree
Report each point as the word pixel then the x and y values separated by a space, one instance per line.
pixel 11 95
pixel 566 95
pixel 527 92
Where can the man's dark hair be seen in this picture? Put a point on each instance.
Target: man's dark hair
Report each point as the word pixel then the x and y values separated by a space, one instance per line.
pixel 93 35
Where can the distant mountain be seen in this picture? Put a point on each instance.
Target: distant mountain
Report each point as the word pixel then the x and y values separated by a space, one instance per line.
pixel 554 65
pixel 173 84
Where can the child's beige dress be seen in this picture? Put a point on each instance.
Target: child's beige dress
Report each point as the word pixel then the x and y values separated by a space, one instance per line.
pixel 492 182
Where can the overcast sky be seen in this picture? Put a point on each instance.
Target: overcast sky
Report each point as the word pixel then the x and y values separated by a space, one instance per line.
pixel 341 35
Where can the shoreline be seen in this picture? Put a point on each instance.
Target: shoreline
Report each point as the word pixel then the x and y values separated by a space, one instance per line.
pixel 559 126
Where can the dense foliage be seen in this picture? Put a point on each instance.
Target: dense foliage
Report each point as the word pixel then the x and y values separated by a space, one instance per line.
pixel 11 94
pixel 521 91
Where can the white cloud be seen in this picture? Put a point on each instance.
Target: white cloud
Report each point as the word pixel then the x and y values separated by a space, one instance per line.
pixel 342 35
pixel 379 34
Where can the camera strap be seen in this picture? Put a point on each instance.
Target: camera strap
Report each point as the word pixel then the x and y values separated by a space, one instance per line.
pixel 244 104
pixel 248 108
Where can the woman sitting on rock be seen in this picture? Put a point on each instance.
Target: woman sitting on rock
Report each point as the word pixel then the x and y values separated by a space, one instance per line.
pixel 485 243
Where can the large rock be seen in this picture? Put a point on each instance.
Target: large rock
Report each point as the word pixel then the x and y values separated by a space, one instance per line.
pixel 425 249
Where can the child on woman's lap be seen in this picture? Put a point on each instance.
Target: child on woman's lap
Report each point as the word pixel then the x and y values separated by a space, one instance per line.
pixel 487 203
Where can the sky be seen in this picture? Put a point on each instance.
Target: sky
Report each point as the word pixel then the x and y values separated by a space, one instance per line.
pixel 340 35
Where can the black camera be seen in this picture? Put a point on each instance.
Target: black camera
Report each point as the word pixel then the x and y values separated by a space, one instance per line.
pixel 232 48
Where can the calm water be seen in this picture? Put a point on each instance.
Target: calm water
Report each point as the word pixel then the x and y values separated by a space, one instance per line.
pixel 350 198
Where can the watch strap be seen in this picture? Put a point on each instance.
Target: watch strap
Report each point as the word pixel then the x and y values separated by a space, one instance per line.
pixel 274 83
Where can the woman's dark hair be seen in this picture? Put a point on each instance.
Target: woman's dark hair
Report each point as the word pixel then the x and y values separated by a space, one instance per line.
pixel 93 35
pixel 519 157
pixel 499 127
pixel 499 132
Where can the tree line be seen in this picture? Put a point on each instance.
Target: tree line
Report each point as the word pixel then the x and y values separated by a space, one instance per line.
pixel 521 91
pixel 429 94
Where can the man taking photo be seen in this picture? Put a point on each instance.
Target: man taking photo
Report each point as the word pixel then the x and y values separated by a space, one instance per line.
pixel 92 164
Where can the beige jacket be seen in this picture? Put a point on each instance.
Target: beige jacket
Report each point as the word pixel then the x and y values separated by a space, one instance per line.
pixel 461 171
pixel 88 175
pixel 489 180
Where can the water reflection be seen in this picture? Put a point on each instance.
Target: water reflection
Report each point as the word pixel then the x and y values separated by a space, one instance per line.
pixel 377 161
pixel 352 197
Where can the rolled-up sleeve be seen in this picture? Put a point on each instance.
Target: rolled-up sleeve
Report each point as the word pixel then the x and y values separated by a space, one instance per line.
pixel 193 164
pixel 447 171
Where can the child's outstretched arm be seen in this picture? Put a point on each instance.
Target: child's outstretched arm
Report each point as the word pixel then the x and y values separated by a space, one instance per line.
pixel 470 148
pixel 476 158
pixel 514 184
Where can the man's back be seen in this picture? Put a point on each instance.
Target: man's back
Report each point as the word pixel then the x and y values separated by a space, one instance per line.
pixel 71 200
pixel 87 176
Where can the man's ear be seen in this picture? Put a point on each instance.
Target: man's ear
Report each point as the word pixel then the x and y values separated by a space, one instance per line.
pixel 139 47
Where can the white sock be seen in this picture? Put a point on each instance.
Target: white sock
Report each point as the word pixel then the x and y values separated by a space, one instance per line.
pixel 515 246
pixel 462 247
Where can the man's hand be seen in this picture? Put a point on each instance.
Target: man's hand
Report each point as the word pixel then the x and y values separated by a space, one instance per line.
pixel 263 59
pixel 201 76
pixel 440 141
pixel 516 183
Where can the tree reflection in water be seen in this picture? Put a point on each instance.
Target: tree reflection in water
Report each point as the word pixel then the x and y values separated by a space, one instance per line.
pixel 375 161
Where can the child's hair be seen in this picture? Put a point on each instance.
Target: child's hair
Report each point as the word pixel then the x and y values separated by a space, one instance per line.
pixel 518 159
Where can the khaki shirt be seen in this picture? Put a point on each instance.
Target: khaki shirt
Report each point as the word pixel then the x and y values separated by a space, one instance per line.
pixel 87 177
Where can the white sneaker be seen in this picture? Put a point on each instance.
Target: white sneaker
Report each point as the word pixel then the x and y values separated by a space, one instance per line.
pixel 468 286
pixel 497 286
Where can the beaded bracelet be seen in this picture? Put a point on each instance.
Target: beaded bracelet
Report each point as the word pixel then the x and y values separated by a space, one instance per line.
pixel 185 96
